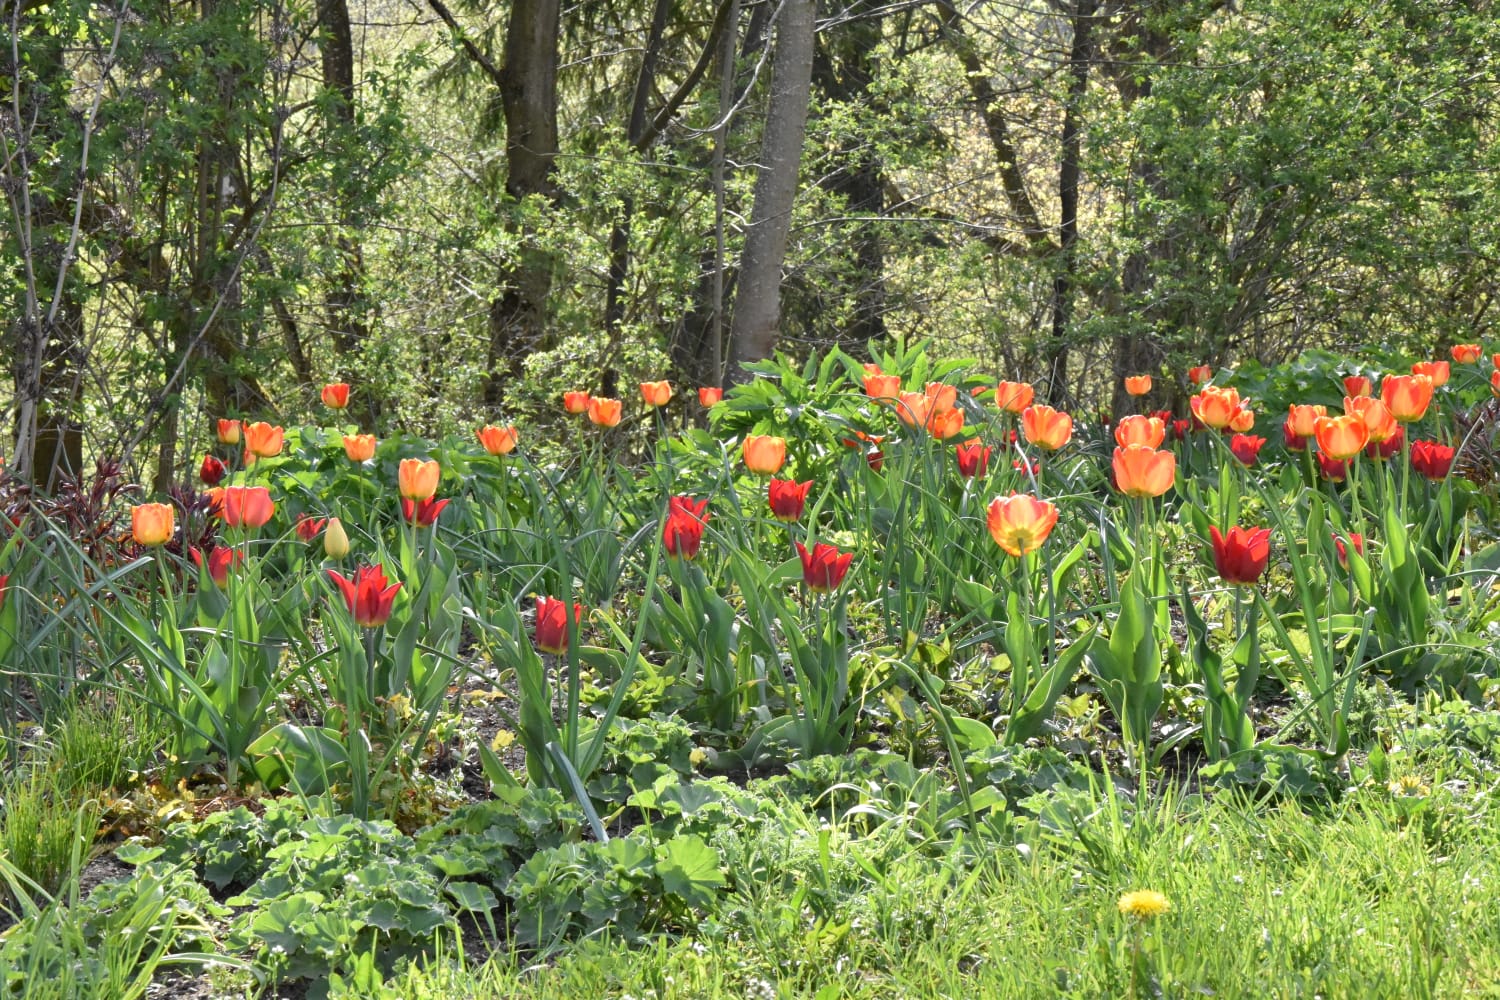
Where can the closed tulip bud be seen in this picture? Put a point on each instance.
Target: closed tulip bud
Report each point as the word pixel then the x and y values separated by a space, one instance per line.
pixel 552 624
pixel 1407 396
pixel 1246 448
pixel 497 440
pixel 220 561
pixel 229 432
pixel 1019 523
pixel 418 480
pixel 656 394
pixel 335 540
pixel 1358 385
pixel 1045 427
pixel 1335 470
pixel 152 524
pixel 1356 540
pixel 575 402
pixel 764 454
pixel 823 567
pixel 1144 472
pixel 1495 383
pixel 1013 397
pixel 1438 371
pixel 682 533
pixel 787 498
pixel 1137 385
pixel 1200 374
pixel 605 412
pixel 211 472
pixel 709 395
pixel 1341 437
pixel 359 447
pixel 1140 429
pixel 1466 354
pixel 335 395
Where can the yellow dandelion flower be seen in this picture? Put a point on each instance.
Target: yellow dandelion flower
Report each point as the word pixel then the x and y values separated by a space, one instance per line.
pixel 1143 904
pixel 698 757
pixel 1408 786
pixel 503 738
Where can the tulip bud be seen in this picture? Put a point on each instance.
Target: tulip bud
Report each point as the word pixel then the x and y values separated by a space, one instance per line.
pixel 335 541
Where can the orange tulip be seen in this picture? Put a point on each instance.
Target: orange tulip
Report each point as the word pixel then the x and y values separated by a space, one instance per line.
pixel 1140 429
pixel 764 454
pixel 575 402
pixel 1243 419
pixel 605 412
pixel 229 432
pixel 1013 397
pixel 1137 385
pixel 497 440
pixel 1045 427
pixel 656 393
pixel 1215 406
pixel 1466 354
pixel 1200 374
pixel 1019 523
pixel 335 395
pixel 940 397
pixel 246 506
pixel 1495 382
pixel 152 524
pixel 1301 418
pixel 262 440
pixel 1375 414
pixel 1341 438
pixel 418 480
pixel 1438 371
pixel 359 447
pixel 1144 472
pixel 913 409
pixel 1358 385
pixel 709 395
pixel 1406 396
pixel 883 386
pixel 946 424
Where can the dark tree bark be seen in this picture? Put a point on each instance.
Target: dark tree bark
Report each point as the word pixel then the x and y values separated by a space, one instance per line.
pixel 757 309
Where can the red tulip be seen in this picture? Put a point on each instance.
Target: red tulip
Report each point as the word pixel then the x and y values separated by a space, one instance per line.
pixel 1335 470
pixel 824 567
pixel 220 561
pixel 335 395
pixel 308 527
pixel 1359 546
pixel 973 459
pixel 1199 374
pixel 1358 385
pixel 1388 447
pixel 4 586
pixel 682 533
pixel 1246 448
pixel 1241 555
pixel 1180 429
pixel 1438 371
pixel 369 595
pixel 1432 459
pixel 552 624
pixel 422 513
pixel 246 506
pixel 787 498
pixel 1294 441
pixel 1466 354
pixel 709 395
pixel 575 402
pixel 211 471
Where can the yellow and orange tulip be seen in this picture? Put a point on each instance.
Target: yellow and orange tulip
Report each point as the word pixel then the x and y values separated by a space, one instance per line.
pixel 945 424
pixel 262 440
pixel 1013 397
pixel 1137 385
pixel 152 524
pixel 497 440
pixel 418 480
pixel 1020 523
pixel 1142 430
pixel 1376 415
pixel 575 402
pixel 1407 396
pixel 605 412
pixel 1438 371
pixel 655 394
pixel 1144 472
pixel 359 447
pixel 1046 427
pixel 1341 438
pixel 764 454
pixel 1216 406
pixel 1301 418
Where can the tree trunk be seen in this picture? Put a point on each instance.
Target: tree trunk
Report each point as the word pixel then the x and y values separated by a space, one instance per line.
pixel 757 310
pixel 517 319
pixel 1063 293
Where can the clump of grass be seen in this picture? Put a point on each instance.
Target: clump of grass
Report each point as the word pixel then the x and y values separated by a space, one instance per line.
pixel 92 747
pixel 39 826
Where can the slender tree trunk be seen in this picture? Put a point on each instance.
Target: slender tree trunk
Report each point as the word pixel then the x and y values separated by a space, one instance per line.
pixel 757 310
pixel 517 320
pixel 1063 292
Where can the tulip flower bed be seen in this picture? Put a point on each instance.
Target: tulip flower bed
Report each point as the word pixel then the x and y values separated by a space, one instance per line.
pixel 382 696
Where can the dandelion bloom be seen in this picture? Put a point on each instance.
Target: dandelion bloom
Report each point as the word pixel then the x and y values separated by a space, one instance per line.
pixel 1144 472
pixel 418 480
pixel 1390 446
pixel 941 397
pixel 307 528
pixel 1241 555
pixel 229 432
pixel 1143 904
pixel 605 412
pixel 1215 406
pixel 152 524
pixel 656 394
pixel 1303 419
pixel 1335 470
pixel 575 402
pixel 369 595
pixel 1358 385
pixel 1376 415
pixel 973 459
pixel 1341 437
pixel 1013 397
pixel 1140 429
pixel 335 395
pixel 1020 523
pixel 1246 448
pixel 682 533
pixel 1466 354
pixel 1046 427
pixel 335 540
pixel 1407 396
pixel 824 567
pixel 787 498
pixel 708 395
pixel 211 471
pixel 1199 374
pixel 262 440
pixel 423 513
pixel 359 447
pixel 1137 385
pixel 1438 371
pixel 945 424
pixel 764 454
pixel 1356 539
pixel 221 560
pixel 497 440
pixel 913 408
pixel 246 506
pixel 1432 459
pixel 879 386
